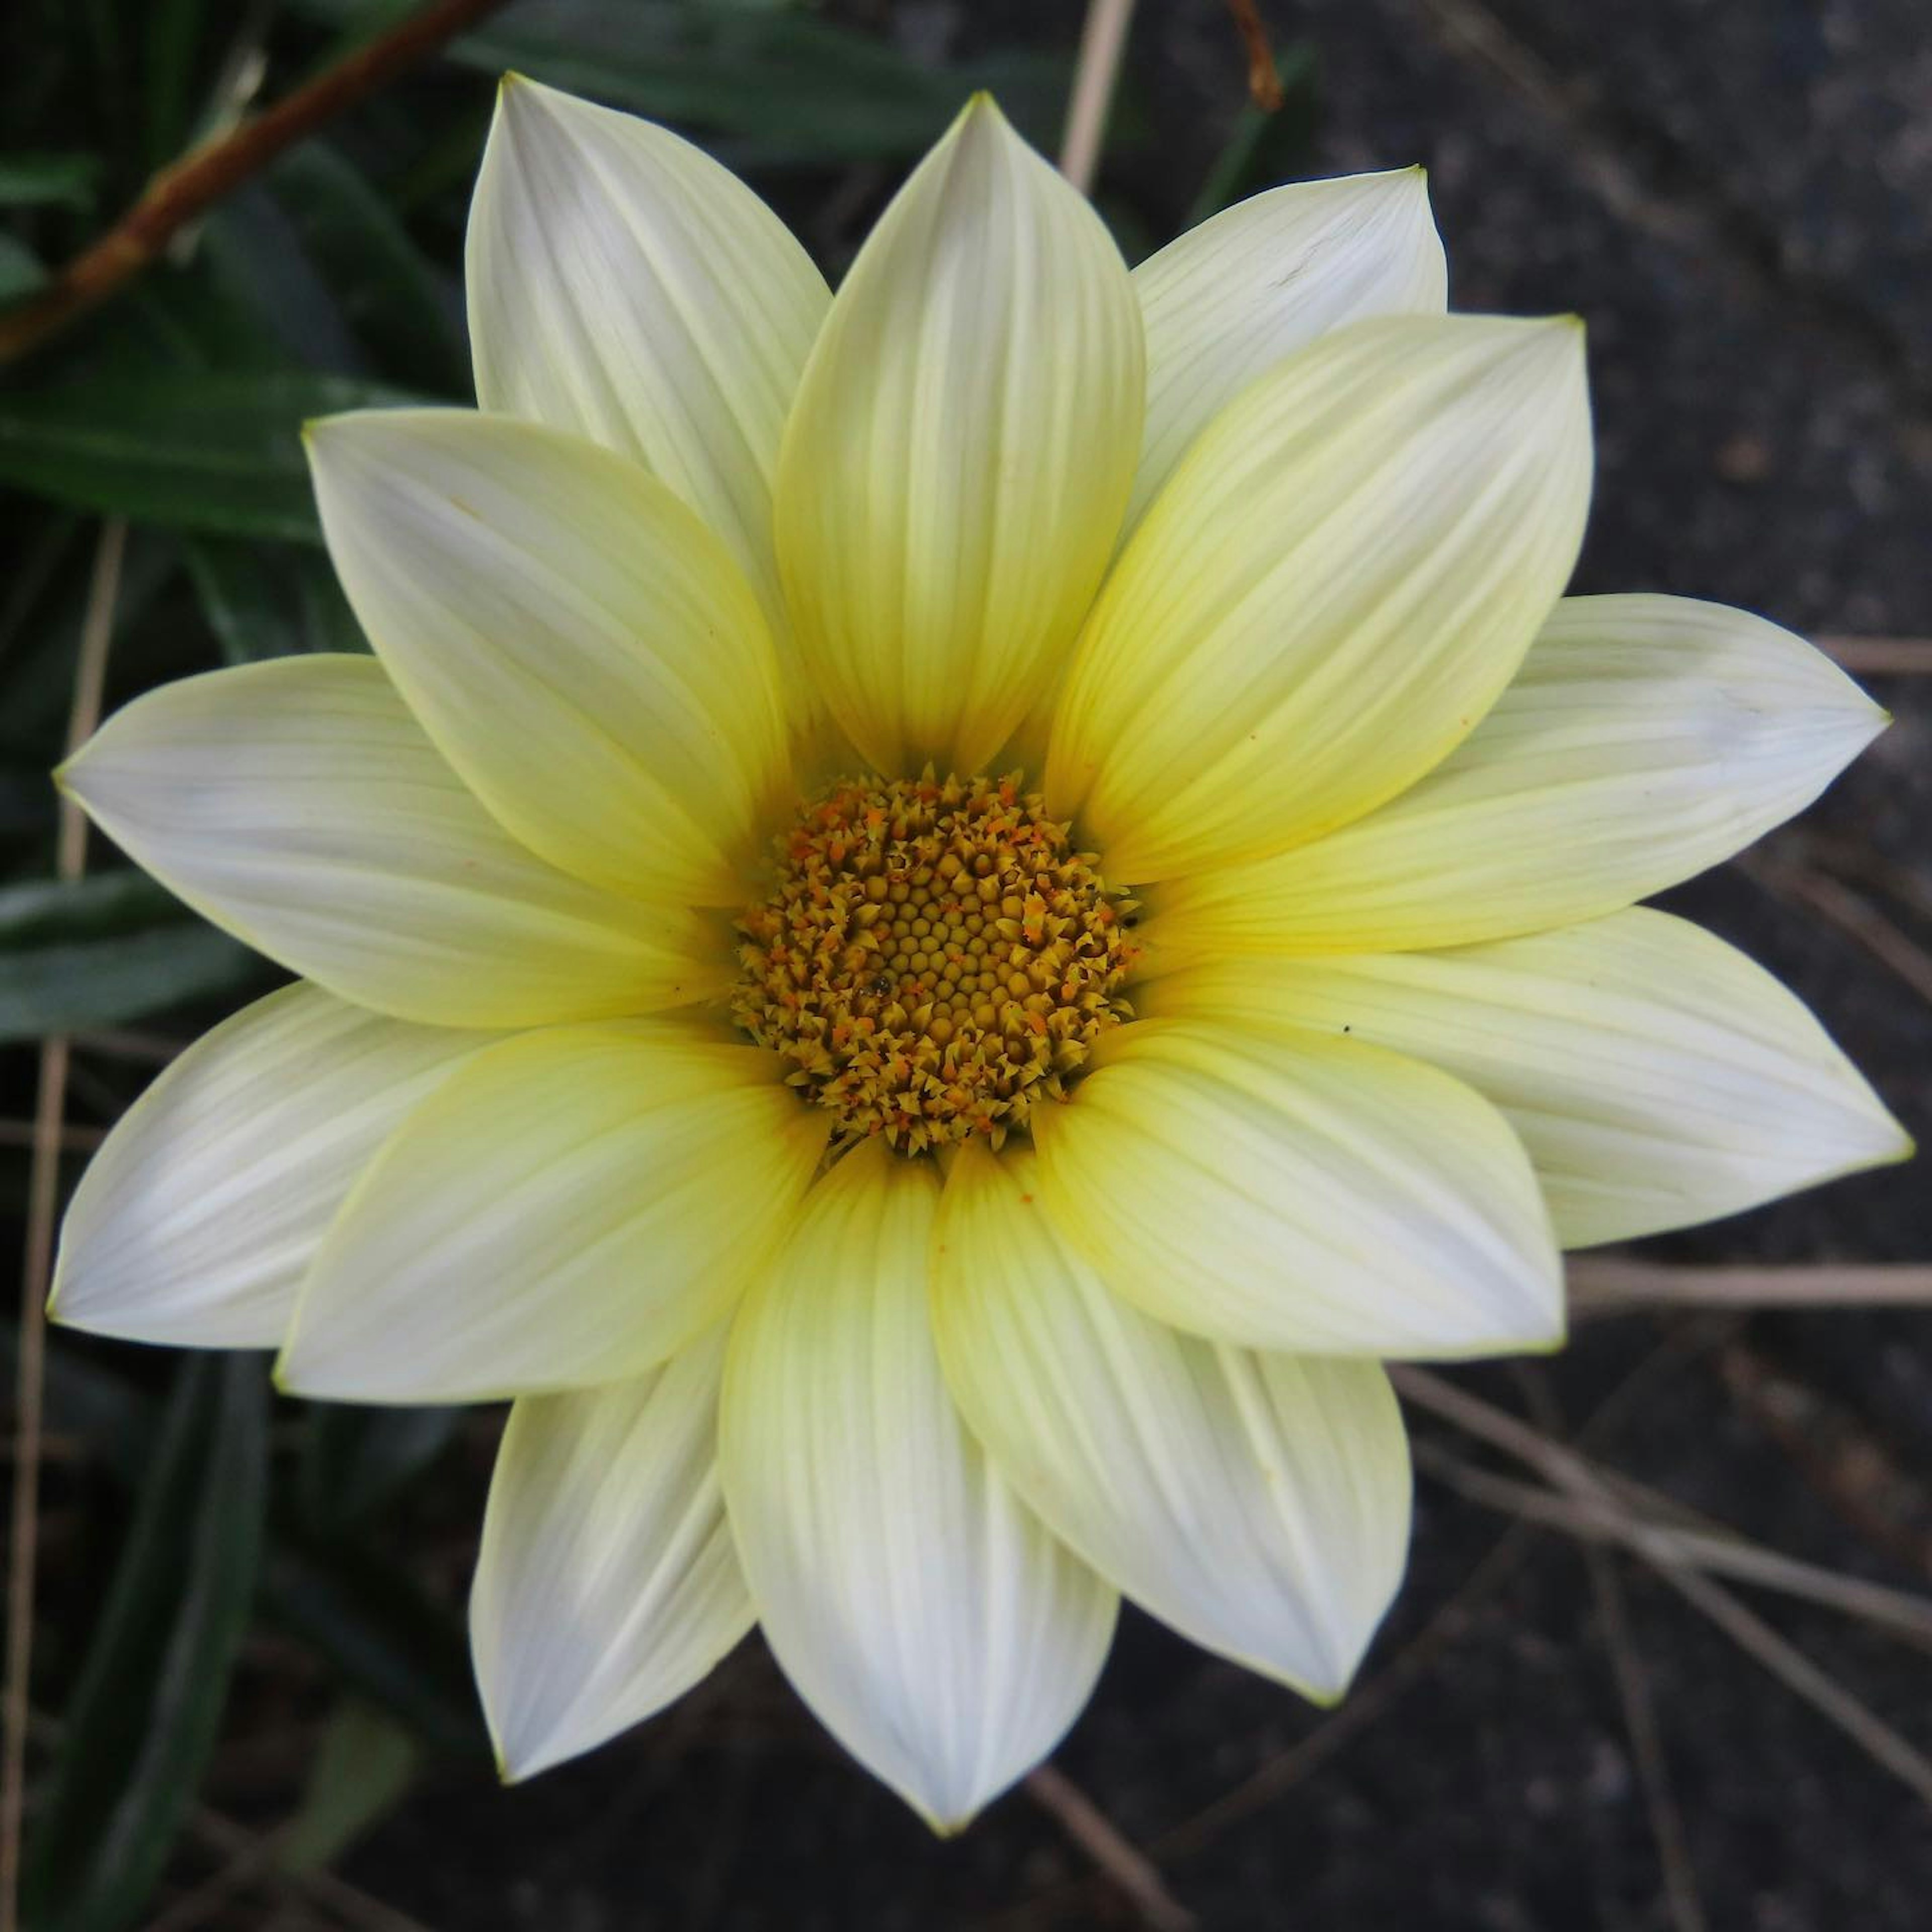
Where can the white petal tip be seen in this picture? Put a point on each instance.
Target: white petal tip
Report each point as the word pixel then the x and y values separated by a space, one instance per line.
pixel 518 94
pixel 519 1764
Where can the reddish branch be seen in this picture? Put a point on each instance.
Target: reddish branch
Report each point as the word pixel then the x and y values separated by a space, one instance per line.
pixel 191 185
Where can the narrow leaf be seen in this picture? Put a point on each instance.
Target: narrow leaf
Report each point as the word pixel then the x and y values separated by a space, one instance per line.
pixel 354 1459
pixel 21 270
pixel 71 986
pixel 269 600
pixel 48 181
pixel 144 1719
pixel 217 452
pixel 366 1764
pixel 388 295
pixel 379 1633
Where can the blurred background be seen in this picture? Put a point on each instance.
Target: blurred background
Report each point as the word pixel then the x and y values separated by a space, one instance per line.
pixel 1688 1688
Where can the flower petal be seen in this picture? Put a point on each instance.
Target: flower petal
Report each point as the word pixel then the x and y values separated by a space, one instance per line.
pixel 1645 738
pixel 577 644
pixel 608 1584
pixel 298 805
pixel 1336 583
pixel 624 286
pixel 953 473
pixel 1657 1076
pixel 571 1207
pixel 1258 1503
pixel 1225 302
pixel 1279 1189
pixel 194 1223
pixel 932 1624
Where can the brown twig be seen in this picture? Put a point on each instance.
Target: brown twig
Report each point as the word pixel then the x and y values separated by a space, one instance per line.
pixel 1852 913
pixel 1634 1694
pixel 321 1889
pixel 1131 1871
pixel 191 185
pixel 1840 1453
pixel 1264 76
pixel 90 675
pixel 147 1049
pixel 1799 1674
pixel 1606 1286
pixel 1574 1475
pixel 1638 1516
pixel 72 1140
pixel 1880 657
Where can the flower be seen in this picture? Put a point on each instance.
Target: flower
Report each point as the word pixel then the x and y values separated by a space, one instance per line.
pixel 942 915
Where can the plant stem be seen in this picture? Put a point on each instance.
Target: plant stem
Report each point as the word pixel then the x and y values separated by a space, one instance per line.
pixel 188 187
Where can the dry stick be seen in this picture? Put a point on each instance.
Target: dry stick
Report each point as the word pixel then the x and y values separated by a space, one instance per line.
pixel 1636 1522
pixel 152 1049
pixel 43 1207
pixel 1846 860
pixel 1571 1472
pixel 1609 1287
pixel 72 1140
pixel 1878 657
pixel 188 187
pixel 1368 1701
pixel 1797 1673
pixel 1089 1828
pixel 236 1875
pixel 1853 914
pixel 321 1889
pixel 1102 40
pixel 1640 1706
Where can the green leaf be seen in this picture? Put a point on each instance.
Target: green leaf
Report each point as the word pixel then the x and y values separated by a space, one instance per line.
pixel 195 450
pixel 41 912
pixel 21 272
pixel 48 180
pixel 790 87
pixel 387 293
pixel 381 1633
pixel 269 601
pixel 174 33
pixel 101 951
pixel 369 1620
pixel 1263 150
pixel 364 1767
pixel 354 1459
pixel 144 1718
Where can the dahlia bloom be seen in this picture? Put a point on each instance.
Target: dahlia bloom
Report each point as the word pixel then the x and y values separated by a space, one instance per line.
pixel 943 913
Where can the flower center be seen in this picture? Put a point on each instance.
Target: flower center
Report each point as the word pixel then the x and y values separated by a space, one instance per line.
pixel 935 958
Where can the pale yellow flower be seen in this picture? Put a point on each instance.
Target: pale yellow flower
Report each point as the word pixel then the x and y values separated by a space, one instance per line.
pixel 904 1222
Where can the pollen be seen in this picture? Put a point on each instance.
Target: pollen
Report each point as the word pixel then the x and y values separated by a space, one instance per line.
pixel 935 958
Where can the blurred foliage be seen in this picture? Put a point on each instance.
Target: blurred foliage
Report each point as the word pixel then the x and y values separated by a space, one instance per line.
pixel 331 281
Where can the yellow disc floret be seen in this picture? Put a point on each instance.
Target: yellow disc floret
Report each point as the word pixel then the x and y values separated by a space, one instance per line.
pixel 935 958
